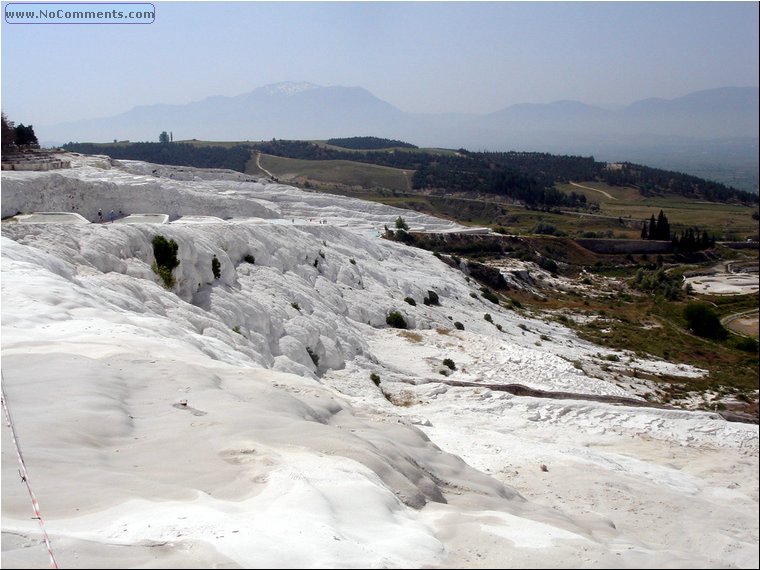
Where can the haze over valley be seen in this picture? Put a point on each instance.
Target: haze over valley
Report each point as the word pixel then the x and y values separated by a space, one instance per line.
pixel 712 134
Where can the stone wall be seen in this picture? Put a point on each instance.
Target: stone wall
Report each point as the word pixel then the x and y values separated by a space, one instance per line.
pixel 611 246
pixel 33 161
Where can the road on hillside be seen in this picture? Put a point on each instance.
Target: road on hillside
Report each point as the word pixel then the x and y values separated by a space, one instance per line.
pixel 594 189
pixel 258 165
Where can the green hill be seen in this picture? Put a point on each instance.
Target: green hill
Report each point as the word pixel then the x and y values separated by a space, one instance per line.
pixel 522 191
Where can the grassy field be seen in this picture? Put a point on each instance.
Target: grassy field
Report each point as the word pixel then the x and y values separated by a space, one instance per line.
pixel 335 172
pixel 728 221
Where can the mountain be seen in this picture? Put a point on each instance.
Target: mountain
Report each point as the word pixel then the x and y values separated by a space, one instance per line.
pixel 307 111
pixel 710 114
pixel 647 128
pixel 285 110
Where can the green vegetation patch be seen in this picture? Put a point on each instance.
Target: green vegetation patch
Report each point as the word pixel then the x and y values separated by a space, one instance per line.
pixel 165 254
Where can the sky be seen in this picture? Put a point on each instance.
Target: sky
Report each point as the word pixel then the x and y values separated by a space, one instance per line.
pixel 463 57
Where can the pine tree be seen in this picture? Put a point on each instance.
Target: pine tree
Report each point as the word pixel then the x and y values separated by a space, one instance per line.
pixel 663 227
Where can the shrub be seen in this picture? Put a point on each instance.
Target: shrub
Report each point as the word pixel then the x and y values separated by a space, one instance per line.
pixel 703 321
pixel 489 295
pixel 404 237
pixel 547 229
pixel 450 363
pixel 296 306
pixel 548 264
pixel 473 295
pixel 431 299
pixel 613 358
pixel 216 267
pixel 352 261
pixel 165 253
pixel 747 344
pixel 375 378
pixel 249 259
pixel 401 224
pixel 396 320
pixel 165 275
pixel 488 317
pixel 411 301
pixel 459 326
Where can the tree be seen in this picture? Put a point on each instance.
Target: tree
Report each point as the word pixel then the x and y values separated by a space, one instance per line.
pixel 165 252
pixel 663 227
pixel 163 137
pixel 9 133
pixel 703 321
pixel 401 224
pixel 652 228
pixel 25 137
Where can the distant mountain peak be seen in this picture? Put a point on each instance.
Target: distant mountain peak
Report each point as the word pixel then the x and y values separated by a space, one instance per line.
pixel 287 88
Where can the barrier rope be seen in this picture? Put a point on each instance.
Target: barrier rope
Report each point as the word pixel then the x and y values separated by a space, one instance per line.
pixel 23 472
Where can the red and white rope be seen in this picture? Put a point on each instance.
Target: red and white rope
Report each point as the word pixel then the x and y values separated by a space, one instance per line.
pixel 25 474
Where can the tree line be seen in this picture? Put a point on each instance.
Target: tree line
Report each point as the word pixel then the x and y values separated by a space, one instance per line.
pixel 518 174
pixel 691 239
pixel 525 177
pixel 654 181
pixel 17 136
pixel 176 154
pixel 368 143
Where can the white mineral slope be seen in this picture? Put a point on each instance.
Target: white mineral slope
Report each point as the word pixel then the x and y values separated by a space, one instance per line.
pixel 285 453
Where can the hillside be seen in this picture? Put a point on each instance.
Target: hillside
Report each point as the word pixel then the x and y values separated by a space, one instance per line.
pixel 269 416
pixel 526 177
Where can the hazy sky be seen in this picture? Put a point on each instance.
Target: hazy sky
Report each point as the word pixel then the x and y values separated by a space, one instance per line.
pixel 419 56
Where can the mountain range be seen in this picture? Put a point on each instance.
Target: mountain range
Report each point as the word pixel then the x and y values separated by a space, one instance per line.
pixel 717 128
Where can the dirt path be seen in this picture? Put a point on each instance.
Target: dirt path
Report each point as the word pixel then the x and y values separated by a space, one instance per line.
pixel 594 189
pixel 258 165
pixel 744 324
